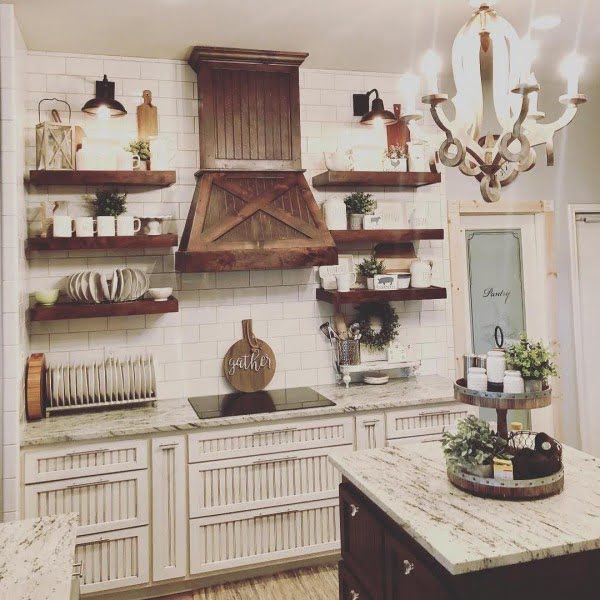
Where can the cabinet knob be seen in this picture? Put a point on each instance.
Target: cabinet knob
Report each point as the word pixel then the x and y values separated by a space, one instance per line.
pixel 354 595
pixel 354 510
pixel 408 567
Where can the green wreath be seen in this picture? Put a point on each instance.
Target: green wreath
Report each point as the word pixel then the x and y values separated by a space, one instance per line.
pixel 390 323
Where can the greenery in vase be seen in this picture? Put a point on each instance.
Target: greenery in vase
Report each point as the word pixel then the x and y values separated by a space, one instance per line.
pixel 360 203
pixel 474 444
pixel 141 147
pixel 394 152
pixel 370 267
pixel 531 359
pixel 109 204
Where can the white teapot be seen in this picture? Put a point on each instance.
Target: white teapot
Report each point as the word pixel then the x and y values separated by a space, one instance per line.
pixel 421 273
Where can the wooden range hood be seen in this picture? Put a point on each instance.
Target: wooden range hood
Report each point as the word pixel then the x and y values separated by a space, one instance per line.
pixel 252 208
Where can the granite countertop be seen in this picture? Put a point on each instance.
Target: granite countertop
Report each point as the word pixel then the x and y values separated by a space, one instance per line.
pixel 465 533
pixel 178 415
pixel 36 558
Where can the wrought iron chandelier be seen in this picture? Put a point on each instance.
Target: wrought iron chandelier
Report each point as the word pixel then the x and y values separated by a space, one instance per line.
pixel 515 98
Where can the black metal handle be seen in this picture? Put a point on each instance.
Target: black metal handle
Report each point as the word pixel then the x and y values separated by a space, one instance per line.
pixel 498 333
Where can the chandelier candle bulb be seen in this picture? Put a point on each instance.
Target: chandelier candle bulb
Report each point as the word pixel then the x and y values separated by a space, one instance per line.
pixel 572 69
pixel 431 66
pixel 409 88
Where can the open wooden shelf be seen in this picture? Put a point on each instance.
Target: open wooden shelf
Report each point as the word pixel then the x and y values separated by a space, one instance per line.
pixel 72 310
pixel 386 235
pixel 375 178
pixel 363 295
pixel 39 244
pixel 150 178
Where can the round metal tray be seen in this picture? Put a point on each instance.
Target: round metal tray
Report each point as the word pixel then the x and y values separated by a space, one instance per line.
pixel 500 400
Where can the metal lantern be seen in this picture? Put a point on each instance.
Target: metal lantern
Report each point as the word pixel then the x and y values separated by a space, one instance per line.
pixel 54 142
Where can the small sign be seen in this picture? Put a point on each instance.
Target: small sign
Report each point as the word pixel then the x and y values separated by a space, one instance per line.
pixel 385 282
pixel 373 222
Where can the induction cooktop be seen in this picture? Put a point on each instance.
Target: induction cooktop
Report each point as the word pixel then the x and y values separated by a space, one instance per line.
pixel 251 403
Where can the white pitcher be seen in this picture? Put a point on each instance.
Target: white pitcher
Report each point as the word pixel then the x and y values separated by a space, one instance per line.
pixel 421 273
pixel 335 213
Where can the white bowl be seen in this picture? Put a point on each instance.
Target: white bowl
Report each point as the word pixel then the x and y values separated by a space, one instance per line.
pixel 160 294
pixel 336 161
pixel 47 297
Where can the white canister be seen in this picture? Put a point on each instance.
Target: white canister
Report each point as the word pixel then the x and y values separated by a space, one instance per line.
pixel 105 226
pixel 127 161
pixel 153 227
pixel 513 383
pixel 477 379
pixel 421 273
pixel 496 365
pixel 62 226
pixel 419 217
pixel 127 225
pixel 84 227
pixel 85 160
pixel 344 281
pixel 335 213
pixel 417 157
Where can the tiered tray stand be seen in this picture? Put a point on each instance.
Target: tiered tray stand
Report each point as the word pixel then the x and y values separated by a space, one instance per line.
pixel 525 489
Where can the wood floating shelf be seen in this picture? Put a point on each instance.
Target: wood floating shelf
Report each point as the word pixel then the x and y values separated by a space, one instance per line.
pixel 385 235
pixel 40 244
pixel 375 178
pixel 362 295
pixel 149 178
pixel 72 310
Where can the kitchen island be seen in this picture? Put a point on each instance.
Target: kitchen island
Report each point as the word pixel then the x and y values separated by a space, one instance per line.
pixel 408 533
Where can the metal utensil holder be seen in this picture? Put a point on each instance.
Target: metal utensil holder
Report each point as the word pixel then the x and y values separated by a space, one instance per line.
pixel 348 352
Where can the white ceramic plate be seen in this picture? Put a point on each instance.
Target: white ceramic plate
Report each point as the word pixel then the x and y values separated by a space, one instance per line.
pixel 153 375
pixel 121 380
pixel 139 385
pixel 126 379
pixel 79 384
pixel 78 286
pixel 109 379
pixel 102 381
pixel 133 379
pixel 113 287
pixel 84 286
pixel 95 287
pixel 105 288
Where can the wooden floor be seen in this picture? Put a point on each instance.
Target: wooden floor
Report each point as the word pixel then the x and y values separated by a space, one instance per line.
pixel 305 584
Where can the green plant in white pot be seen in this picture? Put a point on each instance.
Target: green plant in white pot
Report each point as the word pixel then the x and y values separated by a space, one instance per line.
pixel 370 267
pixel 473 447
pixel 533 360
pixel 359 204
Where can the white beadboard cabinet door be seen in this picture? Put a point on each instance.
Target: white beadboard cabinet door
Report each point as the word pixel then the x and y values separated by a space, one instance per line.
pixel 251 440
pixel 169 508
pixel 424 420
pixel 370 431
pixel 253 537
pixel 80 460
pixel 250 483
pixel 114 559
pixel 104 503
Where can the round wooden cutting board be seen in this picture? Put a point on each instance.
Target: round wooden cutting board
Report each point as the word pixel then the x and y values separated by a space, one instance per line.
pixel 35 387
pixel 249 364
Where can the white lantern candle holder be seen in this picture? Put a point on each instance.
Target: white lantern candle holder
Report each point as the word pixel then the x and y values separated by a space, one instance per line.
pixel 54 142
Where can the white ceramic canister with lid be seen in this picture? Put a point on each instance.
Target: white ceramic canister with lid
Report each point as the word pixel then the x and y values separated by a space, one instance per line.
pixel 496 365
pixel 513 383
pixel 477 379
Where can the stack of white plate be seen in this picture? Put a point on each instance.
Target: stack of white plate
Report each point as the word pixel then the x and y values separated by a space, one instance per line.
pixel 108 382
pixel 375 378
pixel 91 286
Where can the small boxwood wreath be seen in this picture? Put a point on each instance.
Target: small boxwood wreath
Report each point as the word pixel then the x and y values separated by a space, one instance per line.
pixel 390 323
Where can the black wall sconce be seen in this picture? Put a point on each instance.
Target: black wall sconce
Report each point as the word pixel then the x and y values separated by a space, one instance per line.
pixel 360 103
pixel 104 104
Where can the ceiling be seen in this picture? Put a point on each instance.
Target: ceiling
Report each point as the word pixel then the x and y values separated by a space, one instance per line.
pixel 380 35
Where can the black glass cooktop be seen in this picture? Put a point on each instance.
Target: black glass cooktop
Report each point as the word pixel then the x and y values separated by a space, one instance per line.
pixel 251 403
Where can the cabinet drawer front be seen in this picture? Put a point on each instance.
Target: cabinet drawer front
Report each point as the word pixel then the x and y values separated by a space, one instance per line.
pixel 271 480
pixel 350 588
pixel 425 421
pixel 370 431
pixel 113 560
pixel 253 537
pixel 217 444
pixel 53 464
pixel 104 503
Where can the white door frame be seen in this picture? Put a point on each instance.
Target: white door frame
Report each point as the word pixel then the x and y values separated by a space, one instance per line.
pixel 573 211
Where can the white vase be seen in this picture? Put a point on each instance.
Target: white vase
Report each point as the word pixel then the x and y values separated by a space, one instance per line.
pixel 335 213
pixel 370 284
pixel 356 221
pixel 477 379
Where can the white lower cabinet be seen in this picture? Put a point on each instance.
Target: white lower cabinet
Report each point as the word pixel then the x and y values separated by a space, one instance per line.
pixel 247 538
pixel 370 431
pixel 169 508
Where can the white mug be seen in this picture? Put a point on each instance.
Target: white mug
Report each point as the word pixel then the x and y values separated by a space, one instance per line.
pixel 344 281
pixel 106 226
pixel 127 161
pixel 153 227
pixel 128 225
pixel 62 226
pixel 84 227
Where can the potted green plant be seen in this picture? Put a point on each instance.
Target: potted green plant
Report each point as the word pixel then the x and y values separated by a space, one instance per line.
pixel 395 159
pixel 141 148
pixel 533 360
pixel 473 447
pixel 370 267
pixel 359 204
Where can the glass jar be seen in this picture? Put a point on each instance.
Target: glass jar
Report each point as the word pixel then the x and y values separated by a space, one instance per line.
pixel 513 383
pixel 496 365
pixel 477 379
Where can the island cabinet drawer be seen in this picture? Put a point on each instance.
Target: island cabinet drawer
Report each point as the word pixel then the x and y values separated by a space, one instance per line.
pixel 114 560
pixel 370 431
pixel 56 463
pixel 106 502
pixel 257 482
pixel 237 442
pixel 362 537
pixel 242 539
pixel 350 588
pixel 430 420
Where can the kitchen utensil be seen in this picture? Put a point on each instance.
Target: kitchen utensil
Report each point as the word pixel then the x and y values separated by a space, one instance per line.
pixel 147 117
pixel 325 327
pixel 35 387
pixel 375 378
pixel 46 297
pixel 160 294
pixel 339 324
pixel 354 331
pixel 345 281
pixel 348 352
pixel 113 287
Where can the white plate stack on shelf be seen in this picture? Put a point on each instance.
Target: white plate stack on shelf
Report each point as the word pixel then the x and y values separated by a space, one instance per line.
pixel 94 287
pixel 104 383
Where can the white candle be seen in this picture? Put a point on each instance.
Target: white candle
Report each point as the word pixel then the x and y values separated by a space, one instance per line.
pixel 571 69
pixel 431 67
pixel 529 50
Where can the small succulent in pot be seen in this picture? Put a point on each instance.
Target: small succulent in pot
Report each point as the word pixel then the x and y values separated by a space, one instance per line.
pixel 359 204
pixel 141 147
pixel 473 447
pixel 109 203
pixel 370 267
pixel 395 159
pixel 533 360
pixel 395 151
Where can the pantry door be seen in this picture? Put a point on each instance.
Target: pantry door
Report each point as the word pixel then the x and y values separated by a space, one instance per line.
pixel 503 267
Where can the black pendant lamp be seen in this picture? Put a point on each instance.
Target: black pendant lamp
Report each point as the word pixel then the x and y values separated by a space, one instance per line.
pixel 104 104
pixel 377 112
